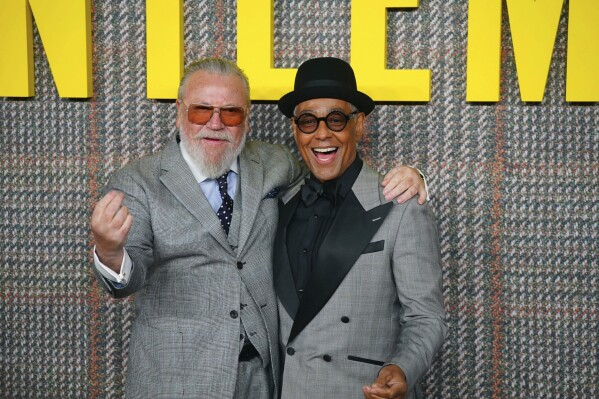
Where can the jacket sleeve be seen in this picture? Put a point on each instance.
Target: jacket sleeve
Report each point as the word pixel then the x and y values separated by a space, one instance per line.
pixel 418 279
pixel 140 238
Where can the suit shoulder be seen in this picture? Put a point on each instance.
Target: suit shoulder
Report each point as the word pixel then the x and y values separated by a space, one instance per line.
pixel 268 152
pixel 276 159
pixel 141 165
pixel 373 181
pixel 146 168
pixel 412 212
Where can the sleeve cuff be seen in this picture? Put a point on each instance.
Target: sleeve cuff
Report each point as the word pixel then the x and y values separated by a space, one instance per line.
pixel 118 280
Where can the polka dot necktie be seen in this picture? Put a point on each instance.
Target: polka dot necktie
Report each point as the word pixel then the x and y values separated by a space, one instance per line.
pixel 225 212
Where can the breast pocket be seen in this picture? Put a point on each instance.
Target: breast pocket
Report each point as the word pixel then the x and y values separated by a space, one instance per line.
pixel 365 360
pixel 374 246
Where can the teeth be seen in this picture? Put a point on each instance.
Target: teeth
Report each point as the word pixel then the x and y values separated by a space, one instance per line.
pixel 330 149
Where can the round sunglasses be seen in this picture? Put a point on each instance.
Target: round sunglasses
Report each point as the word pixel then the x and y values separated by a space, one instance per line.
pixel 335 121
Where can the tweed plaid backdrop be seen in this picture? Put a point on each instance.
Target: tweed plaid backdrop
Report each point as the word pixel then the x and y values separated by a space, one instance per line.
pixel 515 188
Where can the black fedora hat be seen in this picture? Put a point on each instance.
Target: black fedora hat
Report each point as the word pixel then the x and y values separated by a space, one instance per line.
pixel 325 77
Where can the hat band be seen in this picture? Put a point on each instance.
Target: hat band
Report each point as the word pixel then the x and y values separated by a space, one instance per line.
pixel 323 82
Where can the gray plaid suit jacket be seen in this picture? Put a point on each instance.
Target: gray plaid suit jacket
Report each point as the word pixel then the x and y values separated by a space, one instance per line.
pixel 374 296
pixel 188 280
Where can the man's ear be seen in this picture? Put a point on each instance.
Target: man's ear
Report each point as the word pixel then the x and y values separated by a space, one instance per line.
pixel 294 129
pixel 178 103
pixel 360 126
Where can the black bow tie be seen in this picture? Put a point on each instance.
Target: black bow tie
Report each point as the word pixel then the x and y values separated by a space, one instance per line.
pixel 313 189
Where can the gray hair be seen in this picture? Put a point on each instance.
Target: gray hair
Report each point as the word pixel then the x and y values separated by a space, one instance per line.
pixel 218 66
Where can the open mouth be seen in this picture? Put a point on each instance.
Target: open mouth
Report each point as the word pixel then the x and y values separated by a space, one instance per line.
pixel 325 154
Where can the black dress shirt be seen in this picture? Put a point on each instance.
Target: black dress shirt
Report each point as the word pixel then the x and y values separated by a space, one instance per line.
pixel 313 218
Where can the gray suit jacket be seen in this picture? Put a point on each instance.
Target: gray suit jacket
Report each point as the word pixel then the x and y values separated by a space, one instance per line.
pixel 190 281
pixel 374 296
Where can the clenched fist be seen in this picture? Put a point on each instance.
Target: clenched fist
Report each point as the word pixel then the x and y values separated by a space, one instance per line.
pixel 110 223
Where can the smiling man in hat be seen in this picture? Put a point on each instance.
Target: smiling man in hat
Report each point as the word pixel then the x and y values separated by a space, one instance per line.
pixel 358 278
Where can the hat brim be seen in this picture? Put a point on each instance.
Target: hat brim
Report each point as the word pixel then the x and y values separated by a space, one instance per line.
pixel 360 100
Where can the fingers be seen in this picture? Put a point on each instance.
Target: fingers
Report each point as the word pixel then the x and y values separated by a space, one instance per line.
pixel 390 383
pixel 388 390
pixel 127 224
pixel 120 215
pixel 403 189
pixel 402 183
pixel 108 201
pixel 111 222
pixel 390 174
pixel 406 194
pixel 113 207
pixel 422 195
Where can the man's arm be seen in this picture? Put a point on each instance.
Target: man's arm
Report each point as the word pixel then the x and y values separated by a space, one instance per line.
pixel 121 220
pixel 418 279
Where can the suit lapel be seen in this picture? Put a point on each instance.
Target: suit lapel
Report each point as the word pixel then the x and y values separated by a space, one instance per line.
pixel 283 277
pixel 350 233
pixel 178 179
pixel 251 174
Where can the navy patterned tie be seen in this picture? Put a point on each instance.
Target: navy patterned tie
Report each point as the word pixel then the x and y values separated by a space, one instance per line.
pixel 225 212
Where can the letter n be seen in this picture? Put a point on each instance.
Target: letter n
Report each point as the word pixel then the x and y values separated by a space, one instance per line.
pixel 65 29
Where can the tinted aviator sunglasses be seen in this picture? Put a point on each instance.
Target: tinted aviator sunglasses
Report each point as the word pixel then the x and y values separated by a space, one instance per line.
pixel 200 114
pixel 335 121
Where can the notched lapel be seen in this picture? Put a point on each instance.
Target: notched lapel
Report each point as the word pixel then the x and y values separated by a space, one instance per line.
pixel 283 278
pixel 251 179
pixel 347 238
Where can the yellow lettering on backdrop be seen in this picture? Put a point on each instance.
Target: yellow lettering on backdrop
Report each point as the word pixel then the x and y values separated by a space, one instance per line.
pixel 534 28
pixel 484 50
pixel 164 47
pixel 369 55
pixel 16 47
pixel 255 53
pixel 255 50
pixel 582 72
pixel 65 29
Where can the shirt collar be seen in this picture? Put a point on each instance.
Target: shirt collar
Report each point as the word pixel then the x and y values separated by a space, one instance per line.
pixel 197 172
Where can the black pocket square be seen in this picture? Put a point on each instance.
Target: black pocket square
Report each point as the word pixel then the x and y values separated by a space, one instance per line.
pixel 274 193
pixel 364 360
pixel 374 247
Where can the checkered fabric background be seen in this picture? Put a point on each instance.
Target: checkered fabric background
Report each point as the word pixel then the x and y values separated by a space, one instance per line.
pixel 515 188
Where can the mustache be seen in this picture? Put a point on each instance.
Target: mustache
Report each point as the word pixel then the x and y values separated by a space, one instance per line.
pixel 226 136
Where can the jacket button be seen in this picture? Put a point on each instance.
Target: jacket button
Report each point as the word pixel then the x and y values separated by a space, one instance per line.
pixel 234 314
pixel 240 265
pixel 290 351
pixel 345 319
pixel 326 358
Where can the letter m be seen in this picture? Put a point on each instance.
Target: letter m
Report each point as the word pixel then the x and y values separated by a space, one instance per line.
pixel 65 29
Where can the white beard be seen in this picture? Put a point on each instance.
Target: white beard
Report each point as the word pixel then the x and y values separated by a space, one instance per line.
pixel 201 158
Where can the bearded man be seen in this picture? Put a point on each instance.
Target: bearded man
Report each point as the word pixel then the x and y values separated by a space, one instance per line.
pixel 190 230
